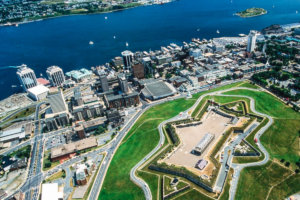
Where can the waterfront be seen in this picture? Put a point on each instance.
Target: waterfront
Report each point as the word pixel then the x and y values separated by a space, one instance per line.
pixel 65 41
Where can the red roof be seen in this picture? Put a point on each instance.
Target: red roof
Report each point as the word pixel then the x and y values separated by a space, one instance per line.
pixel 43 81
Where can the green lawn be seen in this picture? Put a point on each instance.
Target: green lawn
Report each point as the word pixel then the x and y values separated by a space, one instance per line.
pixel 286 188
pixel 55 176
pixel 152 181
pixel 193 195
pixel 135 146
pixel 255 182
pixel 139 141
pixel 167 185
pixel 268 104
pixel 249 85
pixel 282 140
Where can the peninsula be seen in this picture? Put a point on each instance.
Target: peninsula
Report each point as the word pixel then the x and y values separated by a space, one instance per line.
pixel 252 12
pixel 14 13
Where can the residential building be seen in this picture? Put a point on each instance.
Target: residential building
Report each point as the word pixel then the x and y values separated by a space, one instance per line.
pixel 122 100
pixel 138 70
pixel 54 121
pixel 123 83
pixel 55 75
pixel 104 83
pixel 251 45
pixel 68 150
pixel 26 77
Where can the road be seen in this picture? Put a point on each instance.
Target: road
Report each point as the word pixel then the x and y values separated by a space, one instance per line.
pixel 35 175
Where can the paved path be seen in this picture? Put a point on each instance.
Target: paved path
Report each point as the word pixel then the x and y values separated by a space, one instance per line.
pixel 237 167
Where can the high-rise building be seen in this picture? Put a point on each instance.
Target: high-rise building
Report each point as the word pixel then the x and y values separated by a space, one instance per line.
pixel 251 41
pixel 123 83
pixel 57 102
pixel 138 70
pixel 55 75
pixel 27 77
pixel 127 59
pixel 104 83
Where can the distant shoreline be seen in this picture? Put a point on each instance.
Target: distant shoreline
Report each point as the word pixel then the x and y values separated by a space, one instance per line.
pixel 65 15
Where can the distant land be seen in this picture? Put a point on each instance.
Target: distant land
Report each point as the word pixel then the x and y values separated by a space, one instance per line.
pixel 252 12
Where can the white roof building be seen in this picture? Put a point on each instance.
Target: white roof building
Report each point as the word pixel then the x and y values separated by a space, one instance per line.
pixel 38 92
pixel 50 191
pixel 13 134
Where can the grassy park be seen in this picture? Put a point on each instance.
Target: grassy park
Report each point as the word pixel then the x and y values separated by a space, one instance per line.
pixel 282 142
pixel 136 145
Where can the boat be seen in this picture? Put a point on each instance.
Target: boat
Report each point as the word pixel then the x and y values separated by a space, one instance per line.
pixel 41 74
pixel 296 11
pixel 105 17
pixel 13 86
pixel 218 31
pixel 16 25
pixel 91 43
pixel 127 44
pixel 114 37
pixel 198 29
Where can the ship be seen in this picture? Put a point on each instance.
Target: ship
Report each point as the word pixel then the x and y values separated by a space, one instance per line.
pixel 91 43
pixel 218 31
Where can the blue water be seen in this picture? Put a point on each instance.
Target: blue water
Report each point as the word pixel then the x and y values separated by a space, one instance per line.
pixel 64 41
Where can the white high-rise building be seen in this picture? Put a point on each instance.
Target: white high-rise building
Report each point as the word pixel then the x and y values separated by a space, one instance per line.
pixel 27 77
pixel 127 59
pixel 251 41
pixel 55 75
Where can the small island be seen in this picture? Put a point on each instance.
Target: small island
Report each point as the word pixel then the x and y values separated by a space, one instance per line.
pixel 252 12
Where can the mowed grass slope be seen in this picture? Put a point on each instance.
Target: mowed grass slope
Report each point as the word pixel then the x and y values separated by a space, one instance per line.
pixel 268 104
pixel 138 142
pixel 287 188
pixel 282 142
pixel 255 182
pixel 193 195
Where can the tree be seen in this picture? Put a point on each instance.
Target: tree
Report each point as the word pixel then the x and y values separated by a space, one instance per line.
pixel 100 130
pixel 168 75
pixel 47 164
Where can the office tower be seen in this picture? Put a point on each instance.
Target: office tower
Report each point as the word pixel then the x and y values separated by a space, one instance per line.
pixel 27 77
pixel 251 41
pixel 55 75
pixel 57 102
pixel 138 70
pixel 127 59
pixel 123 83
pixel 104 83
